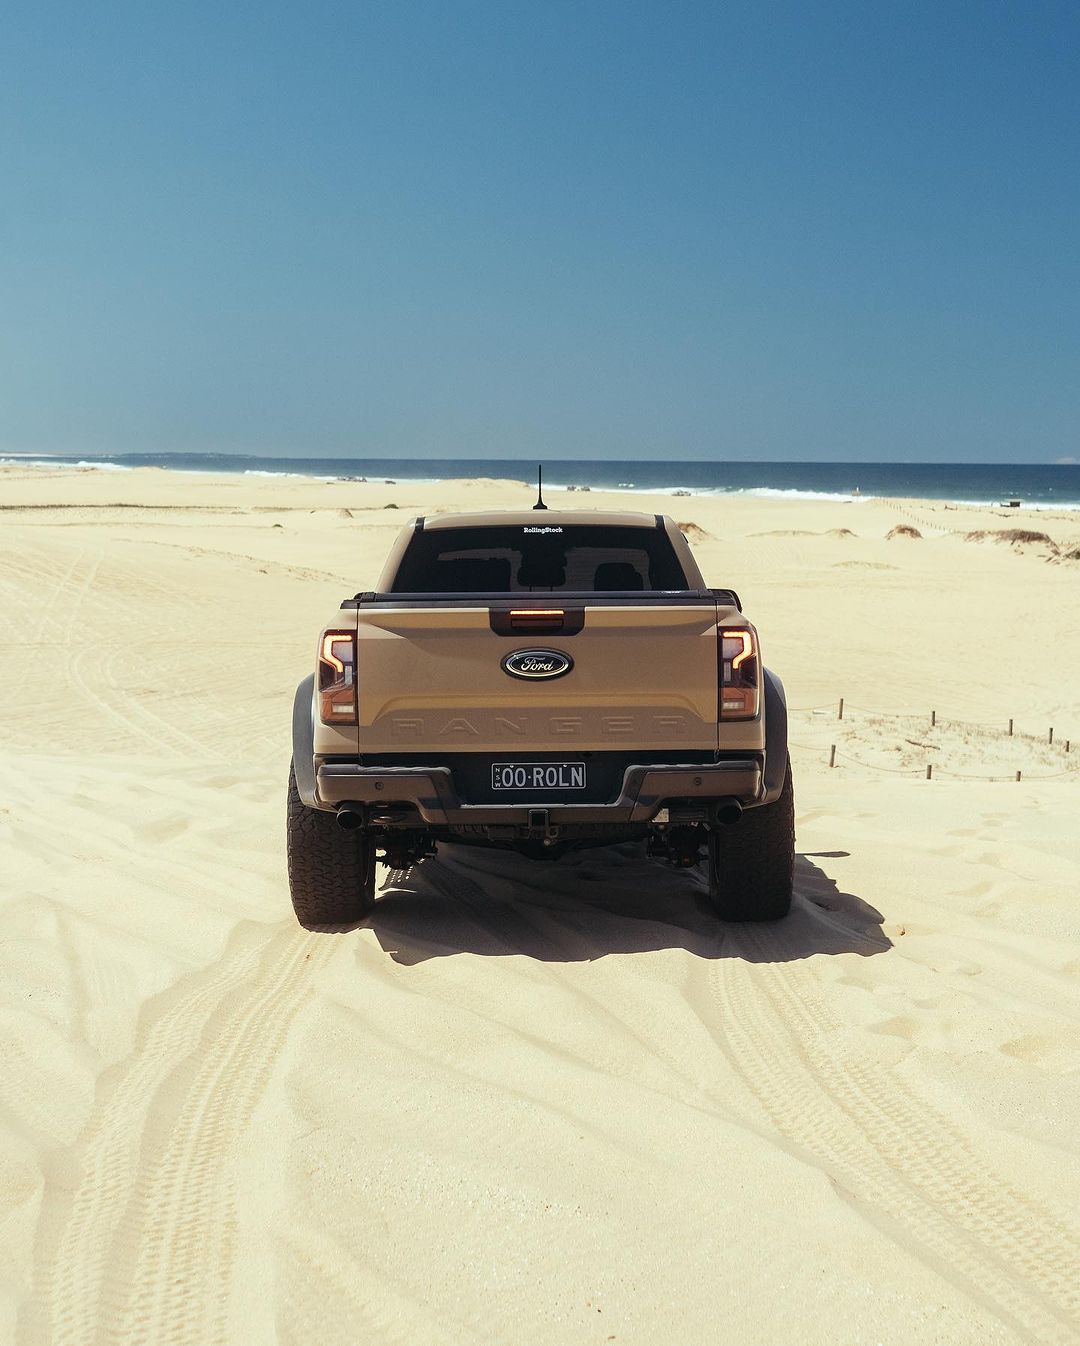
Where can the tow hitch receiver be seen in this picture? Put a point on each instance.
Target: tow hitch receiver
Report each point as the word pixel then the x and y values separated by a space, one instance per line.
pixel 684 846
pixel 540 828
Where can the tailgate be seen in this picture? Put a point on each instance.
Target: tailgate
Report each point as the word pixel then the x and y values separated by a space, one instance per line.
pixel 643 676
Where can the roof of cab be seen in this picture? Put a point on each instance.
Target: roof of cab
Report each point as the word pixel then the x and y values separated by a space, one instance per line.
pixel 548 518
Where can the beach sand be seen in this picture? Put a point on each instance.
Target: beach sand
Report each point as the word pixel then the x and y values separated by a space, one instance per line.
pixel 525 1103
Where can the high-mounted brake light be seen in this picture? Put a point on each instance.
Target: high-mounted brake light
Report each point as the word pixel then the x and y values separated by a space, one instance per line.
pixel 738 673
pixel 337 678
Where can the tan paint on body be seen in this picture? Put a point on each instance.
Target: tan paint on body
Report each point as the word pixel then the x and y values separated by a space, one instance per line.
pixel 644 676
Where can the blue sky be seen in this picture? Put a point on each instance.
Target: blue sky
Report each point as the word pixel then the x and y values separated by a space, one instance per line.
pixel 599 230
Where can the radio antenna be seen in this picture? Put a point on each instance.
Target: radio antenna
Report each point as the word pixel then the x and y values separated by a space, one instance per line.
pixel 540 487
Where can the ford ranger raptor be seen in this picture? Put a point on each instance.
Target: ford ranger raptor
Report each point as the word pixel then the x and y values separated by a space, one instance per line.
pixel 541 682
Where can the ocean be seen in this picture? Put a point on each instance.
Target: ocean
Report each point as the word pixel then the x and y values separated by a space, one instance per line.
pixel 1037 486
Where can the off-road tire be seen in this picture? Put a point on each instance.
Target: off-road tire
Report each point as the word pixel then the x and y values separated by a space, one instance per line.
pixel 331 871
pixel 752 862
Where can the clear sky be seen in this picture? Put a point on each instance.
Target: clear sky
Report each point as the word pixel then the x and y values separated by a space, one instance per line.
pixel 599 229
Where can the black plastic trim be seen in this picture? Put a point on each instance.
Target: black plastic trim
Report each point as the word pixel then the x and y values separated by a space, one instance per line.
pixel 303 740
pixel 726 595
pixel 776 736
pixel 504 602
pixel 431 791
pixel 361 600
pixel 471 771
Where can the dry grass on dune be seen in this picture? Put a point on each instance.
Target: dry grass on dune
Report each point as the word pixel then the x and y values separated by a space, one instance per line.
pixel 1013 536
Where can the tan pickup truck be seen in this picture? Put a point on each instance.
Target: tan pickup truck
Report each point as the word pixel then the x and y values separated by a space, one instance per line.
pixel 541 681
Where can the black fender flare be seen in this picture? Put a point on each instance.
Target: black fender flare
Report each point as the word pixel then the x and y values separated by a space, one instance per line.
pixel 303 741
pixel 776 737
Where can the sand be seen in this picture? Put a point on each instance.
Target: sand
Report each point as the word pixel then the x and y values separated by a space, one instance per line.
pixel 525 1103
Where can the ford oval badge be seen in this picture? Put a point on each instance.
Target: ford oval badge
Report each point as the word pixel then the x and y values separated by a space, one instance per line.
pixel 535 664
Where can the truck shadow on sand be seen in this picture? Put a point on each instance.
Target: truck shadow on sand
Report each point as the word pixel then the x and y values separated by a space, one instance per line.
pixel 615 900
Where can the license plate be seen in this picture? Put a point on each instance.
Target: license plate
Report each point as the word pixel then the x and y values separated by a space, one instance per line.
pixel 538 776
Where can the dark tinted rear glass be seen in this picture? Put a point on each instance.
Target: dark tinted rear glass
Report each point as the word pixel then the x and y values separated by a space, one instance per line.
pixel 581 558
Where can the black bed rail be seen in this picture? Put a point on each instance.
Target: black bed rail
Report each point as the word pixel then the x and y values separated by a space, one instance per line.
pixel 503 602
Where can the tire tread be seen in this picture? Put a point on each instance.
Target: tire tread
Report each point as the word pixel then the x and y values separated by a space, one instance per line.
pixel 331 871
pixel 752 862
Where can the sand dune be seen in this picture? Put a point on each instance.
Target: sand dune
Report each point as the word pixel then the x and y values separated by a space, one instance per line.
pixel 523 1102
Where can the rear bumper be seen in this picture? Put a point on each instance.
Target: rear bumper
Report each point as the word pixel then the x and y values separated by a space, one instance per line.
pixel 645 790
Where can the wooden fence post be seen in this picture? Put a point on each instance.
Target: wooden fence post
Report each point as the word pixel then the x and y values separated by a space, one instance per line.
pixel 1018 775
pixel 1051 738
pixel 933 718
pixel 832 755
pixel 840 710
pixel 929 770
pixel 1010 729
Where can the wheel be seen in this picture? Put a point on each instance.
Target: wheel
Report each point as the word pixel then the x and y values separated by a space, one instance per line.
pixel 752 862
pixel 331 871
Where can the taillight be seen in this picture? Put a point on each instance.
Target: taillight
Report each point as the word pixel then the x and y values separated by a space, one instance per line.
pixel 337 678
pixel 738 673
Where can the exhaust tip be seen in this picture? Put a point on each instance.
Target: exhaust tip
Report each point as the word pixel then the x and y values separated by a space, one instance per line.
pixel 729 812
pixel 348 819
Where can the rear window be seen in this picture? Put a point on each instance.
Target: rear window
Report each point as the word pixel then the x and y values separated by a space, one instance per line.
pixel 579 558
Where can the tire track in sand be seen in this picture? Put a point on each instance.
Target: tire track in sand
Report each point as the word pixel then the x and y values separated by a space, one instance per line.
pixel 325 1283
pixel 137 1240
pixel 628 1006
pixel 903 1165
pixel 68 588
